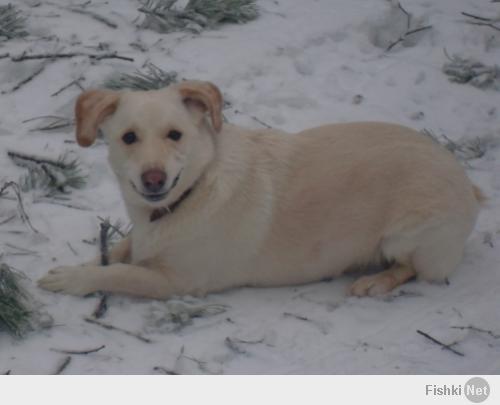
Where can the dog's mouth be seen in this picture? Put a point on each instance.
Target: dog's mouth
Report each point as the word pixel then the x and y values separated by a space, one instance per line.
pixel 155 197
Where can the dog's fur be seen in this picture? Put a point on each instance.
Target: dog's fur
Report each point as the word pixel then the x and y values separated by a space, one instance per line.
pixel 268 208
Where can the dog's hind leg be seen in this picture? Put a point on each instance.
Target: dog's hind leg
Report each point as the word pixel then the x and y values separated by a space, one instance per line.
pixel 383 282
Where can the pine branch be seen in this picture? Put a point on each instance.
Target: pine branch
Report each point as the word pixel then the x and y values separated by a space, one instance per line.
pixel 465 149
pixel 471 71
pixel 14 313
pixel 164 16
pixel 54 122
pixel 12 23
pixel 49 175
pixel 151 78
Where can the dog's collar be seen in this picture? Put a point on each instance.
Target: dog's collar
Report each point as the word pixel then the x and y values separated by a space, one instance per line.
pixel 159 213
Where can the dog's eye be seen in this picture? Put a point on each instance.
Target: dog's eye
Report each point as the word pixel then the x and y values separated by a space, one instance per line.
pixel 174 135
pixel 129 138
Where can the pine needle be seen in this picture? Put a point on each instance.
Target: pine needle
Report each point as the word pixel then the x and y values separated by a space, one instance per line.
pixel 165 16
pixel 52 176
pixel 151 78
pixel 12 23
pixel 473 72
pixel 14 313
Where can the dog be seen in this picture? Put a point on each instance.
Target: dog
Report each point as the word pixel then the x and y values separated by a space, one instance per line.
pixel 215 206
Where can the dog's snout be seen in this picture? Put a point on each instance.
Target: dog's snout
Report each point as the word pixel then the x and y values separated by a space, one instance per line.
pixel 153 180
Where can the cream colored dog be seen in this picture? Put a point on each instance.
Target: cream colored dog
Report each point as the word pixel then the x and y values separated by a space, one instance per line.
pixel 216 206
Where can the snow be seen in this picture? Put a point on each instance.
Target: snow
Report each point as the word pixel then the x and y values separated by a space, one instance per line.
pixel 299 65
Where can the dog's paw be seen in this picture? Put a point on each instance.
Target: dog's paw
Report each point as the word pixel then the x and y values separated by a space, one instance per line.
pixel 68 280
pixel 373 285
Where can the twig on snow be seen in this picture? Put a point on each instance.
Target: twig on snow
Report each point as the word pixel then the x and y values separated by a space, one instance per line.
pixel 75 82
pixel 26 80
pixel 118 329
pixel 165 371
pixel 64 364
pixel 443 345
pixel 72 248
pixel 409 31
pixel 483 21
pixel 480 330
pixel 82 352
pixel 17 191
pixel 67 55
pixel 320 326
pixel 93 15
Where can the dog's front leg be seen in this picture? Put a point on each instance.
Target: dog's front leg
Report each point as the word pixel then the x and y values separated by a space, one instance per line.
pixel 115 278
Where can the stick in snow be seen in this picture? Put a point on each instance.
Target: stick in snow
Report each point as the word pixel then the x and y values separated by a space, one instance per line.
pixel 443 345
pixel 83 352
pixel 102 307
pixel 112 327
pixel 26 80
pixel 64 364
pixel 164 370
pixel 68 55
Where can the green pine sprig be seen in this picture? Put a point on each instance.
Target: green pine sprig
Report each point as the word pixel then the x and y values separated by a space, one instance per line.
pixel 12 23
pixel 52 176
pixel 150 78
pixel 166 16
pixel 14 313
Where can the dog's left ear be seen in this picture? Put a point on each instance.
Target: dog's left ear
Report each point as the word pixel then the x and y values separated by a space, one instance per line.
pixel 92 107
pixel 205 96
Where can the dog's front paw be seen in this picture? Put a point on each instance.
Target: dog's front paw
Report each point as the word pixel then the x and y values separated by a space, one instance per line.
pixel 68 280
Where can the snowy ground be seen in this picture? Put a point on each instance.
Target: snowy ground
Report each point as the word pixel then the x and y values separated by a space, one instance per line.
pixel 301 64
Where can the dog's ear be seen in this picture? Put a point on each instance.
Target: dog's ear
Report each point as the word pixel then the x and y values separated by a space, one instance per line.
pixel 92 107
pixel 204 96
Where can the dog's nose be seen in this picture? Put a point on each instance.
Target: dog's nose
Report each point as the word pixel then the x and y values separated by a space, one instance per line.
pixel 153 180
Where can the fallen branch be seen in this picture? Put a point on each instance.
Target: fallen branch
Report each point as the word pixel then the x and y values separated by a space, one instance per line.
pixel 64 364
pixel 116 328
pixel 114 55
pixel 82 352
pixel 443 345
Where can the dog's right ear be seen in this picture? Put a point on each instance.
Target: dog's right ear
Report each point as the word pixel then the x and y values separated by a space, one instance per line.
pixel 92 107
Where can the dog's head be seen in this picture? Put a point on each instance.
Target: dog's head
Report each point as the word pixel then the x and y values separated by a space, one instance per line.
pixel 160 141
